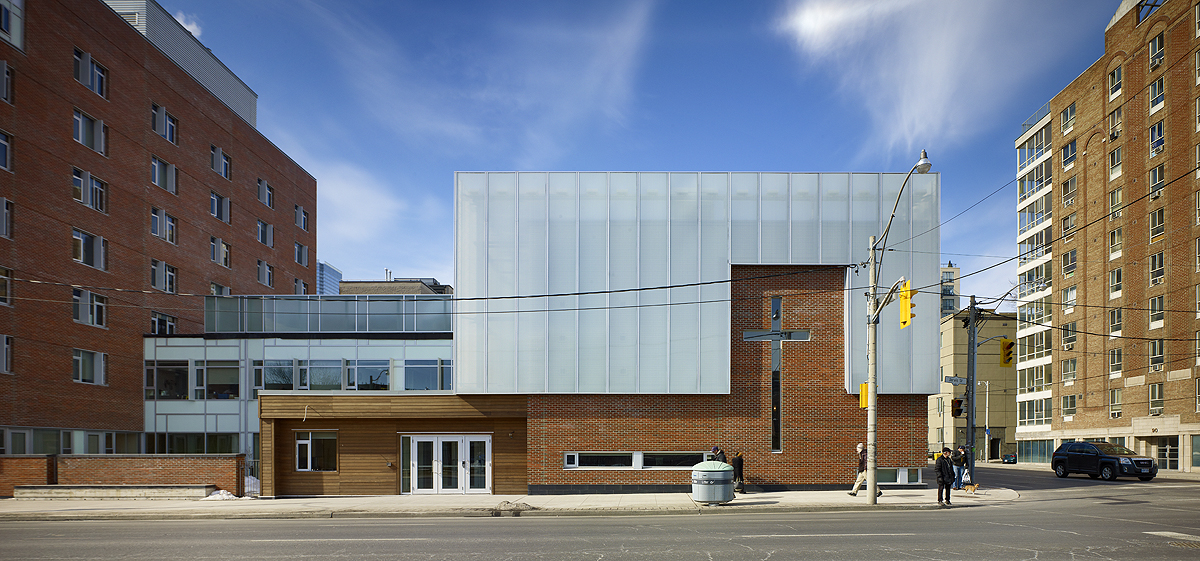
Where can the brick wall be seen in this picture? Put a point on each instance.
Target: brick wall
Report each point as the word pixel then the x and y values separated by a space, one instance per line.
pixel 40 392
pixel 226 471
pixel 24 470
pixel 821 422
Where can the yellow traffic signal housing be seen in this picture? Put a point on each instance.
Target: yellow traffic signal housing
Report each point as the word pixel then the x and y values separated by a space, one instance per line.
pixel 862 395
pixel 906 304
pixel 1006 351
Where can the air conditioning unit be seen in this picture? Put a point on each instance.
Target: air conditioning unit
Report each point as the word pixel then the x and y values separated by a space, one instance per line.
pixel 1156 193
pixel 1069 202
pixel 1068 346
pixel 1156 367
pixel 1155 280
pixel 1155 150
pixel 1155 63
pixel 1155 411
pixel 1114 134
pixel 1114 414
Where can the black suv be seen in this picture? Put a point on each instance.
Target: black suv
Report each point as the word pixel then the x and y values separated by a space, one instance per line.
pixel 1103 460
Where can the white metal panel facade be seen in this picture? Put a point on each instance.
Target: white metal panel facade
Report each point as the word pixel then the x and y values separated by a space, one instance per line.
pixel 611 282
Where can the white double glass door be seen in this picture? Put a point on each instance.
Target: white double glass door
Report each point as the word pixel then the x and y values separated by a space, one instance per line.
pixel 452 464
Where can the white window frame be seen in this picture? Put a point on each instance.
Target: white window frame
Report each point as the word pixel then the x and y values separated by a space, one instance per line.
pixel 301 254
pixel 218 206
pixel 5 151
pixel 219 251
pixel 162 324
pixel 163 276
pixel 265 234
pixel 302 218
pixel 163 123
pixel 1114 403
pixel 1069 403
pixel 96 140
pixel 92 75
pixel 1116 362
pixel 1158 352
pixel 6 79
pixel 163 174
pixel 1114 163
pixel 6 287
pixel 1069 369
pixel 82 242
pixel 266 193
pixel 221 162
pixel 1157 312
pixel 97 376
pixel 1116 240
pixel 266 273
pixel 163 225
pixel 1115 322
pixel 1068 155
pixel 1115 120
pixel 89 190
pixel 299 287
pixel 1158 222
pixel 304 449
pixel 1156 398
pixel 1157 51
pixel 6 353
pixel 1066 119
pixel 1114 83
pixel 6 217
pixel 1157 268
pixel 1158 142
pixel 89 308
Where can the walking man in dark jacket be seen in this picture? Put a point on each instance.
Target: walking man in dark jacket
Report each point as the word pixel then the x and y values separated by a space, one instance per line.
pixel 944 468
pixel 862 472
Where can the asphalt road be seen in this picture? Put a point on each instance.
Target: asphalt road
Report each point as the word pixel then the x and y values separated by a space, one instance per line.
pixel 1054 519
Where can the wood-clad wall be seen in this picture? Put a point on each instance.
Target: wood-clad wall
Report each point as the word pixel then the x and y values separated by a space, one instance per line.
pixel 369 431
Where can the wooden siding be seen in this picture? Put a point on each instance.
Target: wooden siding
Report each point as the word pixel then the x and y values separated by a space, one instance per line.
pixel 364 405
pixel 365 446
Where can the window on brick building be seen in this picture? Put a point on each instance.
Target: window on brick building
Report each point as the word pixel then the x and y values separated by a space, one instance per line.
pixel 1114 403
pixel 316 451
pixel 162 276
pixel 5 286
pixel 1156 312
pixel 266 233
pixel 6 217
pixel 1115 242
pixel 88 307
pixel 1115 203
pixel 1157 268
pixel 163 174
pixel 219 251
pixel 1157 47
pixel 301 254
pixel 299 287
pixel 221 163
pixel 1068 192
pixel 5 151
pixel 1158 95
pixel 217 289
pixel 1068 154
pixel 89 132
pixel 1157 353
pixel 1114 82
pixel 1070 334
pixel 89 367
pixel 163 123
pixel 90 74
pixel 1157 222
pixel 302 218
pixel 1068 405
pixel 1068 297
pixel 1114 321
pixel 218 206
pixel 1069 369
pixel 162 324
pixel 1115 362
pixel 162 225
pixel 6 80
pixel 91 250
pixel 89 190
pixel 6 350
pixel 266 194
pixel 1158 180
pixel 1066 119
pixel 1157 141
pixel 266 273
pixel 1156 399
pixel 1114 163
pixel 1068 263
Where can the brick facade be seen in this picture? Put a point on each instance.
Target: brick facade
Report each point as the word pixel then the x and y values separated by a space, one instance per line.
pixel 226 471
pixel 39 391
pixel 821 423
pixel 1127 47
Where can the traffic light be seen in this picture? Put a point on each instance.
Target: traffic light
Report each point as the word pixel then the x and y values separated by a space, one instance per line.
pixel 1006 351
pixel 862 395
pixel 906 304
pixel 956 407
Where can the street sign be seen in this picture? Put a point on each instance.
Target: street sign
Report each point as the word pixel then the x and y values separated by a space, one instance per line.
pixel 955 380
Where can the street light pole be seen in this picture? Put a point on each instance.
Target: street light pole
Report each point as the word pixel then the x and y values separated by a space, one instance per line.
pixel 873 308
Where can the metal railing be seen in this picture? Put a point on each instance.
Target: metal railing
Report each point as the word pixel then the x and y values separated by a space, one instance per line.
pixel 1037 116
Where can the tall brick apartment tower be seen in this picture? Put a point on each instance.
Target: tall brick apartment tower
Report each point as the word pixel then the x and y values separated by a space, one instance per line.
pixel 1109 239
pixel 131 185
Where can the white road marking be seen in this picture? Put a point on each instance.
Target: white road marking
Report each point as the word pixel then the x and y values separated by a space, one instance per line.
pixel 347 540
pixel 819 535
pixel 1175 535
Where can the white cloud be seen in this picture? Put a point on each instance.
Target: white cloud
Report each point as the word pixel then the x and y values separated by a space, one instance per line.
pixel 189 22
pixel 924 71
pixel 522 94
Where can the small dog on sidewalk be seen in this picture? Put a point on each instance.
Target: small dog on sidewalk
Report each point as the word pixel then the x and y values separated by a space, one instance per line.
pixel 970 487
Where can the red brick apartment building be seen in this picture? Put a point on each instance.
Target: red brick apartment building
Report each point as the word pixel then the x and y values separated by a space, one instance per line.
pixel 128 189
pixel 1109 237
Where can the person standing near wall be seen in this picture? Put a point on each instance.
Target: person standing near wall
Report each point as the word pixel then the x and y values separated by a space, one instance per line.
pixel 719 455
pixel 944 468
pixel 739 482
pixel 959 459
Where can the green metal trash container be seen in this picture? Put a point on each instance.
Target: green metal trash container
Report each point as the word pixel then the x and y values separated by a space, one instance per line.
pixel 712 482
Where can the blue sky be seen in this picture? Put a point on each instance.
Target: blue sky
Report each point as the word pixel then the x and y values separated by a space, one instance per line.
pixel 382 101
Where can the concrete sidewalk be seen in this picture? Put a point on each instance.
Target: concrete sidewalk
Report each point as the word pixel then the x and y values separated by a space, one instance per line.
pixel 400 506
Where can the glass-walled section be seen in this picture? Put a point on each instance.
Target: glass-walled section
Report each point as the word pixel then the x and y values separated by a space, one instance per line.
pixel 328 313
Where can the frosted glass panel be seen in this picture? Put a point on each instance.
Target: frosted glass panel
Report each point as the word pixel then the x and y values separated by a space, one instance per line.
pixel 531 233
pixel 531 346
pixel 560 360
pixel 623 274
pixel 774 201
pixel 593 344
pixel 652 365
pixel 653 270
pixel 501 228
pixel 714 227
pixel 470 251
pixel 501 356
pixel 714 341
pixel 684 341
pixel 744 217
pixel 685 229
pixel 806 230
pixel 835 218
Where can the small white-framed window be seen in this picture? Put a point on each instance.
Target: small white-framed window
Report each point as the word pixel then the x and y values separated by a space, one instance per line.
pixel 1114 403
pixel 5 286
pixel 265 234
pixel 162 225
pixel 221 162
pixel 89 249
pixel 316 451
pixel 6 217
pixel 163 276
pixel 219 251
pixel 6 365
pixel 163 174
pixel 301 254
pixel 1114 123
pixel 1157 268
pixel 1114 321
pixel 1115 203
pixel 217 289
pixel 1158 224
pixel 266 194
pixel 1068 155
pixel 89 131
pixel 1068 405
pixel 1156 398
pixel 1068 297
pixel 1115 243
pixel 1069 263
pixel 162 324
pixel 163 123
pixel 302 218
pixel 1158 180
pixel 1157 140
pixel 90 74
pixel 218 206
pixel 299 286
pixel 1115 362
pixel 1068 368
pixel 1114 83
pixel 1066 119
pixel 88 307
pixel 89 190
pixel 1068 192
pixel 1158 95
pixel 5 151
pixel 1114 163
pixel 89 367
pixel 1157 312
pixel 266 273
pixel 1070 334
pixel 1068 224
pixel 1156 52
pixel 1157 352
pixel 6 80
